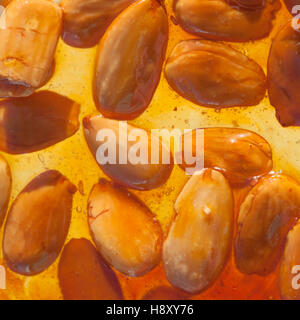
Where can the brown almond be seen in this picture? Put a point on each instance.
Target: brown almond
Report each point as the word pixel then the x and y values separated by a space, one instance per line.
pixel 83 274
pixel 129 61
pixel 214 75
pixel 29 32
pixel 239 154
pixel 267 214
pixel 199 240
pixel 124 230
pixel 141 176
pixel 289 279
pixel 37 224
pixel 33 123
pixel 224 20
pixel 5 188
pixel 85 21
pixel 284 76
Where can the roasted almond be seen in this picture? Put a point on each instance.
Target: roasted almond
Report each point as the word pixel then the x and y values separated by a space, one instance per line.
pixel 33 123
pixel 284 76
pixel 239 154
pixel 269 211
pixel 85 21
pixel 200 237
pixel 5 187
pixel 289 280
pixel 124 230
pixel 214 75
pixel 83 274
pixel 37 224
pixel 130 59
pixel 105 136
pixel 29 31
pixel 224 20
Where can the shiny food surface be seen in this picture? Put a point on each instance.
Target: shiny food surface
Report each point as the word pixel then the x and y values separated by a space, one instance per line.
pixel 73 78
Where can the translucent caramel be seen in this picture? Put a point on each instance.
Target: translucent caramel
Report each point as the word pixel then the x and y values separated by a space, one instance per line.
pixel 73 78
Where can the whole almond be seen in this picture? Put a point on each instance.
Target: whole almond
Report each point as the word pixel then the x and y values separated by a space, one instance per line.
pixel 29 32
pixel 267 214
pixel 124 230
pixel 85 21
pixel 224 20
pixel 33 123
pixel 37 223
pixel 199 240
pixel 214 75
pixel 284 76
pixel 239 154
pixel 290 266
pixel 129 61
pixel 141 176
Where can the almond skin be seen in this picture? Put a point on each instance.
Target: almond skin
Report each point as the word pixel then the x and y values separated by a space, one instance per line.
pixel 5 188
pixel 199 240
pixel 289 268
pixel 239 154
pixel 267 214
pixel 83 274
pixel 220 20
pixel 214 75
pixel 136 176
pixel 129 60
pixel 29 32
pixel 284 76
pixel 85 21
pixel 124 230
pixel 37 224
pixel 33 123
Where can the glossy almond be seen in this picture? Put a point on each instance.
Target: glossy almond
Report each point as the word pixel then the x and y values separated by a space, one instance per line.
pixel 5 187
pixel 29 31
pixel 200 237
pixel 130 59
pixel 290 266
pixel 284 76
pixel 222 20
pixel 214 75
pixel 124 230
pixel 269 211
pixel 33 123
pixel 83 274
pixel 239 154
pixel 136 176
pixel 37 224
pixel 85 21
